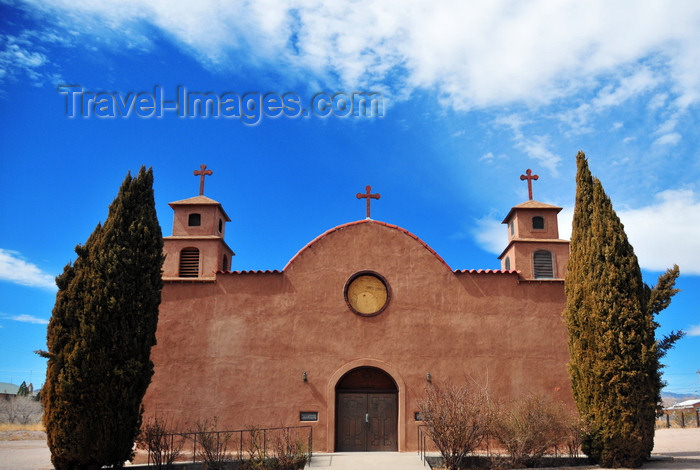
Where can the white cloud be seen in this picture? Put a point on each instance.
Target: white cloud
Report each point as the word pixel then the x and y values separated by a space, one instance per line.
pixel 664 232
pixel 565 219
pixel 25 55
pixel 29 319
pixel 573 63
pixel 668 139
pixel 490 234
pixel 628 87
pixel 474 54
pixel 15 269
pixel 537 147
pixel 694 330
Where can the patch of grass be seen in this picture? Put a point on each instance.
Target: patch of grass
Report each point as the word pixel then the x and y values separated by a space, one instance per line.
pixel 21 427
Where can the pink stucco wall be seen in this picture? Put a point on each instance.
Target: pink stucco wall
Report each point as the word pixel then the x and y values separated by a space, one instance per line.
pixel 236 347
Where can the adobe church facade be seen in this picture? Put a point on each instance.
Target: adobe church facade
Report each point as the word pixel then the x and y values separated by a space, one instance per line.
pixel 347 336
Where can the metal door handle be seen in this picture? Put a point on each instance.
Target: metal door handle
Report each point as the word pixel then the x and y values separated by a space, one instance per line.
pixel 366 417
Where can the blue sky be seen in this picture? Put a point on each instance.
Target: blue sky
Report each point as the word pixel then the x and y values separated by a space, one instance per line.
pixel 472 93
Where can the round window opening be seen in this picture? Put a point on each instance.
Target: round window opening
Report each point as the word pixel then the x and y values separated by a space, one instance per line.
pixel 367 293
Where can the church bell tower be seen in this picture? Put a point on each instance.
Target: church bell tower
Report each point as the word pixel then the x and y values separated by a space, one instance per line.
pixel 534 247
pixel 196 250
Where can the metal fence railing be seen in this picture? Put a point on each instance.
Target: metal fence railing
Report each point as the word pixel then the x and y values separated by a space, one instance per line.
pixel 237 445
pixel 423 443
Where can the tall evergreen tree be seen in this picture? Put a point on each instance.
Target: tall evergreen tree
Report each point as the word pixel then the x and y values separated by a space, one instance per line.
pixel 101 332
pixel 23 390
pixel 615 368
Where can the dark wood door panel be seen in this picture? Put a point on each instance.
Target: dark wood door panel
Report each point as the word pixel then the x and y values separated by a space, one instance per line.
pixel 367 422
pixel 352 433
pixel 383 432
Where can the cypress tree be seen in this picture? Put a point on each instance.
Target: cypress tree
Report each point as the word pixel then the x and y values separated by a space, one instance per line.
pixel 100 334
pixel 23 390
pixel 614 365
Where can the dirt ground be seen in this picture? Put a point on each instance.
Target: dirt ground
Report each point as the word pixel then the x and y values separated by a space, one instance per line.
pixel 673 448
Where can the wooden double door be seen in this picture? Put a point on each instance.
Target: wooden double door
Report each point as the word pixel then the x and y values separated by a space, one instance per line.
pixel 366 421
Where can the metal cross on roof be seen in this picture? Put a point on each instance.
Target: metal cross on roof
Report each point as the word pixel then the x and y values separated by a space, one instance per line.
pixel 368 196
pixel 202 173
pixel 529 179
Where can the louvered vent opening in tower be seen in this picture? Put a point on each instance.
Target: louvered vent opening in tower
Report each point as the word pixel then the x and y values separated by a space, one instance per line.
pixel 543 265
pixel 189 262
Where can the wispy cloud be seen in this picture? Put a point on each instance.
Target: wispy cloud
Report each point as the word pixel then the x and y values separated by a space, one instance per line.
pixel 564 64
pixel 13 268
pixel 475 55
pixel 693 330
pixel 25 56
pixel 29 319
pixel 668 139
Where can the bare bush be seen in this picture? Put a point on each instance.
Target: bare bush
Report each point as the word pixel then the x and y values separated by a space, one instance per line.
pixel 275 449
pixel 289 450
pixel 574 436
pixel 531 427
pixel 20 410
pixel 212 445
pixel 256 448
pixel 161 442
pixel 456 418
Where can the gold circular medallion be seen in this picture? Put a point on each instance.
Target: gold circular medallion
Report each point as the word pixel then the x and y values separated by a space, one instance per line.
pixel 366 293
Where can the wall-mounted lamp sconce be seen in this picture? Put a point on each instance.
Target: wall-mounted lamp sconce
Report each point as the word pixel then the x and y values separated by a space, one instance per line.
pixel 428 377
pixel 304 376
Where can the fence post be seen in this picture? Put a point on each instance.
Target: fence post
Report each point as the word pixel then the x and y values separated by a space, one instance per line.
pixel 194 449
pixel 682 419
pixel 311 443
pixel 697 416
pixel 668 420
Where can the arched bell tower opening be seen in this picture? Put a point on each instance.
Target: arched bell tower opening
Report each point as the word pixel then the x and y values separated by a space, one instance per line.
pixel 366 411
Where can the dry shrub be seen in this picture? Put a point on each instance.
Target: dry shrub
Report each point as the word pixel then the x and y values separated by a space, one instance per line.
pixel 159 439
pixel 456 418
pixel 289 450
pixel 212 445
pixel 256 448
pixel 533 426
pixel 20 410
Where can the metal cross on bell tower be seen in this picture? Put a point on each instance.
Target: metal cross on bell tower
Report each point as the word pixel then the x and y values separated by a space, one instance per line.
pixel 529 177
pixel 202 173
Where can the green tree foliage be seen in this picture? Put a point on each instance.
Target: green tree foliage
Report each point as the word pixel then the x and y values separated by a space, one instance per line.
pixel 23 390
pixel 615 368
pixel 101 332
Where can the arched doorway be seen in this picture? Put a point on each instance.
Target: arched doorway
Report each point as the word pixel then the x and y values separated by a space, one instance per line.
pixel 366 411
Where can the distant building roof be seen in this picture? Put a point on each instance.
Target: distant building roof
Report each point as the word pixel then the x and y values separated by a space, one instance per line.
pixel 685 404
pixel 8 388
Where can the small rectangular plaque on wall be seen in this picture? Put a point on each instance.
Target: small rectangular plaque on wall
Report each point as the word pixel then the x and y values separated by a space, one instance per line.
pixel 308 416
